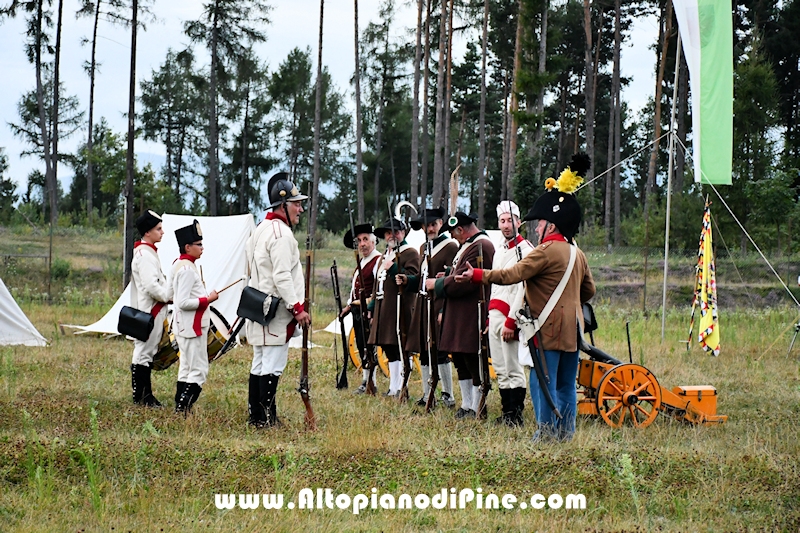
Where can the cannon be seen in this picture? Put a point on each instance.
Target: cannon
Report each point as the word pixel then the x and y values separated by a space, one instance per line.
pixel 629 393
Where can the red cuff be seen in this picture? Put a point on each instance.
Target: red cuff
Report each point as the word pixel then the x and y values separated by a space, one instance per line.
pixel 203 304
pixel 511 323
pixel 477 275
pixel 298 308
pixel 500 305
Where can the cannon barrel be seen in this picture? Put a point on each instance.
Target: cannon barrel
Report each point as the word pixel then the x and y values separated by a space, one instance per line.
pixel 596 353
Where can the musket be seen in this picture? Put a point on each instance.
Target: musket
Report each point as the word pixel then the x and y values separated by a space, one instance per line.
pixel 370 361
pixel 430 327
pixel 400 322
pixel 341 383
pixel 483 351
pixel 310 420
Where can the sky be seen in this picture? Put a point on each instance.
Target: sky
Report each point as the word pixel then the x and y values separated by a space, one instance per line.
pixel 295 23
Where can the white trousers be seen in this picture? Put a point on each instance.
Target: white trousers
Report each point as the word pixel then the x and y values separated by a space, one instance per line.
pixel 144 351
pixel 269 360
pixel 194 358
pixel 505 357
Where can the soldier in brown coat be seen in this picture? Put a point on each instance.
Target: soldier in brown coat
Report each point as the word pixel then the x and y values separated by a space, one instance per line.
pixel 556 216
pixel 460 332
pixel 442 251
pixel 398 261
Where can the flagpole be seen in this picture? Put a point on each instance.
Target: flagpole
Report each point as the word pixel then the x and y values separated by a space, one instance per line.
pixel 669 185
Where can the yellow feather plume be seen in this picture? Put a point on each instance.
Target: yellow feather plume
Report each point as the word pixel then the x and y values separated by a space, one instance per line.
pixel 568 181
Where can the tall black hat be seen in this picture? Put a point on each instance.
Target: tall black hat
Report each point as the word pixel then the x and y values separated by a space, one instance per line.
pixel 558 205
pixel 188 234
pixel 391 225
pixel 359 230
pixel 147 221
pixel 281 190
pixel 461 219
pixel 426 217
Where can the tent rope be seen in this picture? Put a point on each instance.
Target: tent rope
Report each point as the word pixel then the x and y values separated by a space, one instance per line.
pixel 606 171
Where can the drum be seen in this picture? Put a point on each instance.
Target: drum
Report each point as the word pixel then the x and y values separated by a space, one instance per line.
pixel 217 333
pixel 167 352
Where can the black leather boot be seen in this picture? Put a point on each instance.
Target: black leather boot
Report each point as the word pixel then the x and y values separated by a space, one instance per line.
pixel 268 389
pixel 194 392
pixel 518 396
pixel 257 417
pixel 147 397
pixel 182 397
pixel 136 385
pixel 506 407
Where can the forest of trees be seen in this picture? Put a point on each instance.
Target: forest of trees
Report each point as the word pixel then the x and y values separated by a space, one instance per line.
pixel 539 81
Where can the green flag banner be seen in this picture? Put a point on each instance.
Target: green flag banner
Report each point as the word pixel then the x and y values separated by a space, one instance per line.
pixel 706 28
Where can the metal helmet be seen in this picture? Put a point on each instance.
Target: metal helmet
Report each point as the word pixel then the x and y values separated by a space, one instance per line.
pixel 281 190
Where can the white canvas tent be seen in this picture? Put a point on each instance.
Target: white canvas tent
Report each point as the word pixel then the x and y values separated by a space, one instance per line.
pixel 415 238
pixel 15 328
pixel 223 262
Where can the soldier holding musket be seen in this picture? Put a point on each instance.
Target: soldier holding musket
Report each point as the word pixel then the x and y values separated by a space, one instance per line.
pixel 556 216
pixel 398 262
pixel 273 259
pixel 442 251
pixel 459 334
pixel 365 240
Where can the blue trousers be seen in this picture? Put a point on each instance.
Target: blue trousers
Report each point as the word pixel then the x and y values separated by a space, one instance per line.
pixel 562 369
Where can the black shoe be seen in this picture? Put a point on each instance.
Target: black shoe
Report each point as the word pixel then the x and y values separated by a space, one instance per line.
pixel 464 413
pixel 362 389
pixel 256 415
pixel 448 400
pixel 422 402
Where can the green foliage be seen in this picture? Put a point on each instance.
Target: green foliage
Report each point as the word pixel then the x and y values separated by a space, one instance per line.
pixel 60 268
pixel 7 190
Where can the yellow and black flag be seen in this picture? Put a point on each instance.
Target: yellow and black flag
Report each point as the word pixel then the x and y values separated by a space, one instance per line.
pixel 705 291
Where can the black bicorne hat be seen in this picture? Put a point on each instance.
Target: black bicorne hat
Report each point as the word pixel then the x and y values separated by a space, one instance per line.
pixel 391 225
pixel 147 221
pixel 360 229
pixel 558 205
pixel 188 234
pixel 461 219
pixel 426 217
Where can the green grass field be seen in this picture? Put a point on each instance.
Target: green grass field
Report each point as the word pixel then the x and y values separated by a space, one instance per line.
pixel 76 455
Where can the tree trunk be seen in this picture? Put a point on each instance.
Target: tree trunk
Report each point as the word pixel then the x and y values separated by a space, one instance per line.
pixel 379 138
pixel 45 132
pixel 90 140
pixel 616 89
pixel 423 186
pixel 683 96
pixel 482 120
pixel 243 182
pixel 562 123
pixel 589 88
pixel 129 162
pixel 447 107
pixel 512 137
pixel 438 144
pixel 537 141
pixel 213 133
pixel 506 127
pixel 612 122
pixel 312 220
pixel 54 131
pixel 359 157
pixel 666 30
pixel 415 112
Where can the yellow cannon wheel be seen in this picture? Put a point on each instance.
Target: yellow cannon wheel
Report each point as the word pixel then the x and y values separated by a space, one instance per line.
pixel 631 392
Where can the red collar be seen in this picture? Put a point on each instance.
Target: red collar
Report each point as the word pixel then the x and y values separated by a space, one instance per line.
pixel 187 257
pixel 515 241
pixel 554 237
pixel 272 215
pixel 143 243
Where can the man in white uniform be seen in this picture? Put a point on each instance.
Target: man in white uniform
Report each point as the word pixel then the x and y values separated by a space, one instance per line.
pixel 191 317
pixel 505 301
pixel 273 259
pixel 150 293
